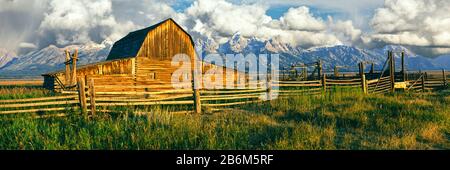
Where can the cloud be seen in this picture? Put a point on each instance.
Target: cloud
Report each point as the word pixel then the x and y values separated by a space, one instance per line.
pixel 74 21
pixel 423 25
pixel 21 5
pixel 142 12
pixel 19 19
pixel 27 45
pixel 346 31
pixel 220 19
pixel 301 19
pixel 359 11
pixel 84 21
pixel 62 23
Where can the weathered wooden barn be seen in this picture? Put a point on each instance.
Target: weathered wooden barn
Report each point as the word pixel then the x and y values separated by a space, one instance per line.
pixel 141 58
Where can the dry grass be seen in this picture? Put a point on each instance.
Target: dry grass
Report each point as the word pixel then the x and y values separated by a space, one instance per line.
pixel 20 92
pixel 20 82
pixel 340 120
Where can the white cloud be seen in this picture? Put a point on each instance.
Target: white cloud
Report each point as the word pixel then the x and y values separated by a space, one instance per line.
pixel 22 5
pixel 72 21
pixel 85 21
pixel 18 21
pixel 27 45
pixel 220 19
pixel 301 19
pixel 424 25
pixel 419 23
pixel 345 31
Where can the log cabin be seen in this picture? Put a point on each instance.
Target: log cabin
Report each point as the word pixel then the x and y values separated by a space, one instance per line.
pixel 141 58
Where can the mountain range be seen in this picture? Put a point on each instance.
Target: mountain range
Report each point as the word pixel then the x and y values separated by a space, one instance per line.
pixel 52 58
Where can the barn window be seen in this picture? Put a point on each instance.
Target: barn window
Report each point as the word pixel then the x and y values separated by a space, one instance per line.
pixel 152 76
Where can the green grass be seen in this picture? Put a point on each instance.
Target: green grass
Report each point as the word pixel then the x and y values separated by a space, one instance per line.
pixel 344 119
pixel 23 91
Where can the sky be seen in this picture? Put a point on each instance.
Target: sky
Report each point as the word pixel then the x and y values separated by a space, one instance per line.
pixel 421 25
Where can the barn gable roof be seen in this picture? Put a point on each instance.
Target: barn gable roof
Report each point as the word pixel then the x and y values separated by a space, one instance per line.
pixel 130 45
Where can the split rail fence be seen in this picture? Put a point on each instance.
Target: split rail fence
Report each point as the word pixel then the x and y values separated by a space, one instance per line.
pixel 90 98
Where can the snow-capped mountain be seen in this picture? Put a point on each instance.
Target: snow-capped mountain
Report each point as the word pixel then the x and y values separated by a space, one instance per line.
pixel 413 60
pixel 339 55
pixel 52 58
pixel 443 61
pixel 6 57
pixel 289 55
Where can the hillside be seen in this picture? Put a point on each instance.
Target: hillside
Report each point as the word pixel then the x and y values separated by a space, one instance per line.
pixel 52 58
pixel 6 57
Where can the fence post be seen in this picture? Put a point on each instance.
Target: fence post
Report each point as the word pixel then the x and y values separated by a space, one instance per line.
pixel 372 68
pixel 361 68
pixel 364 83
pixel 423 82
pixel 366 86
pixel 392 70
pixel 269 87
pixel 305 71
pixel 336 71
pixel 444 78
pixel 319 66
pixel 296 72
pixel 92 96
pixel 68 81
pixel 404 75
pixel 82 95
pixel 197 101
pixel 74 67
pixel 324 82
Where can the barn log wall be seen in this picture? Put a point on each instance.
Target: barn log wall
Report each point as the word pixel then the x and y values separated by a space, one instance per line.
pixel 117 68
pixel 153 62
pixel 165 41
pixel 159 47
pixel 224 78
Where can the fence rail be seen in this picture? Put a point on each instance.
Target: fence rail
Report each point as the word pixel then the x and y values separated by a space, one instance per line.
pixel 34 105
pixel 92 98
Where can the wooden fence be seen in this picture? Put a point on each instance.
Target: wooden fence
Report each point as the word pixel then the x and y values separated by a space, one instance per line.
pixel 90 98
pixel 37 105
pixel 379 86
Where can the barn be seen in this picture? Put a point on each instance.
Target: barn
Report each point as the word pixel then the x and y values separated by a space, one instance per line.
pixel 141 58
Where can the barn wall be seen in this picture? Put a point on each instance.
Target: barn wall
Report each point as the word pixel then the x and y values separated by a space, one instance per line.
pixel 165 41
pixel 116 83
pixel 224 78
pixel 150 72
pixel 155 56
pixel 153 62
pixel 121 68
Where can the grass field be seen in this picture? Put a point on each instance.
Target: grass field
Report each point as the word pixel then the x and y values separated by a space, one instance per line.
pixel 6 82
pixel 342 120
